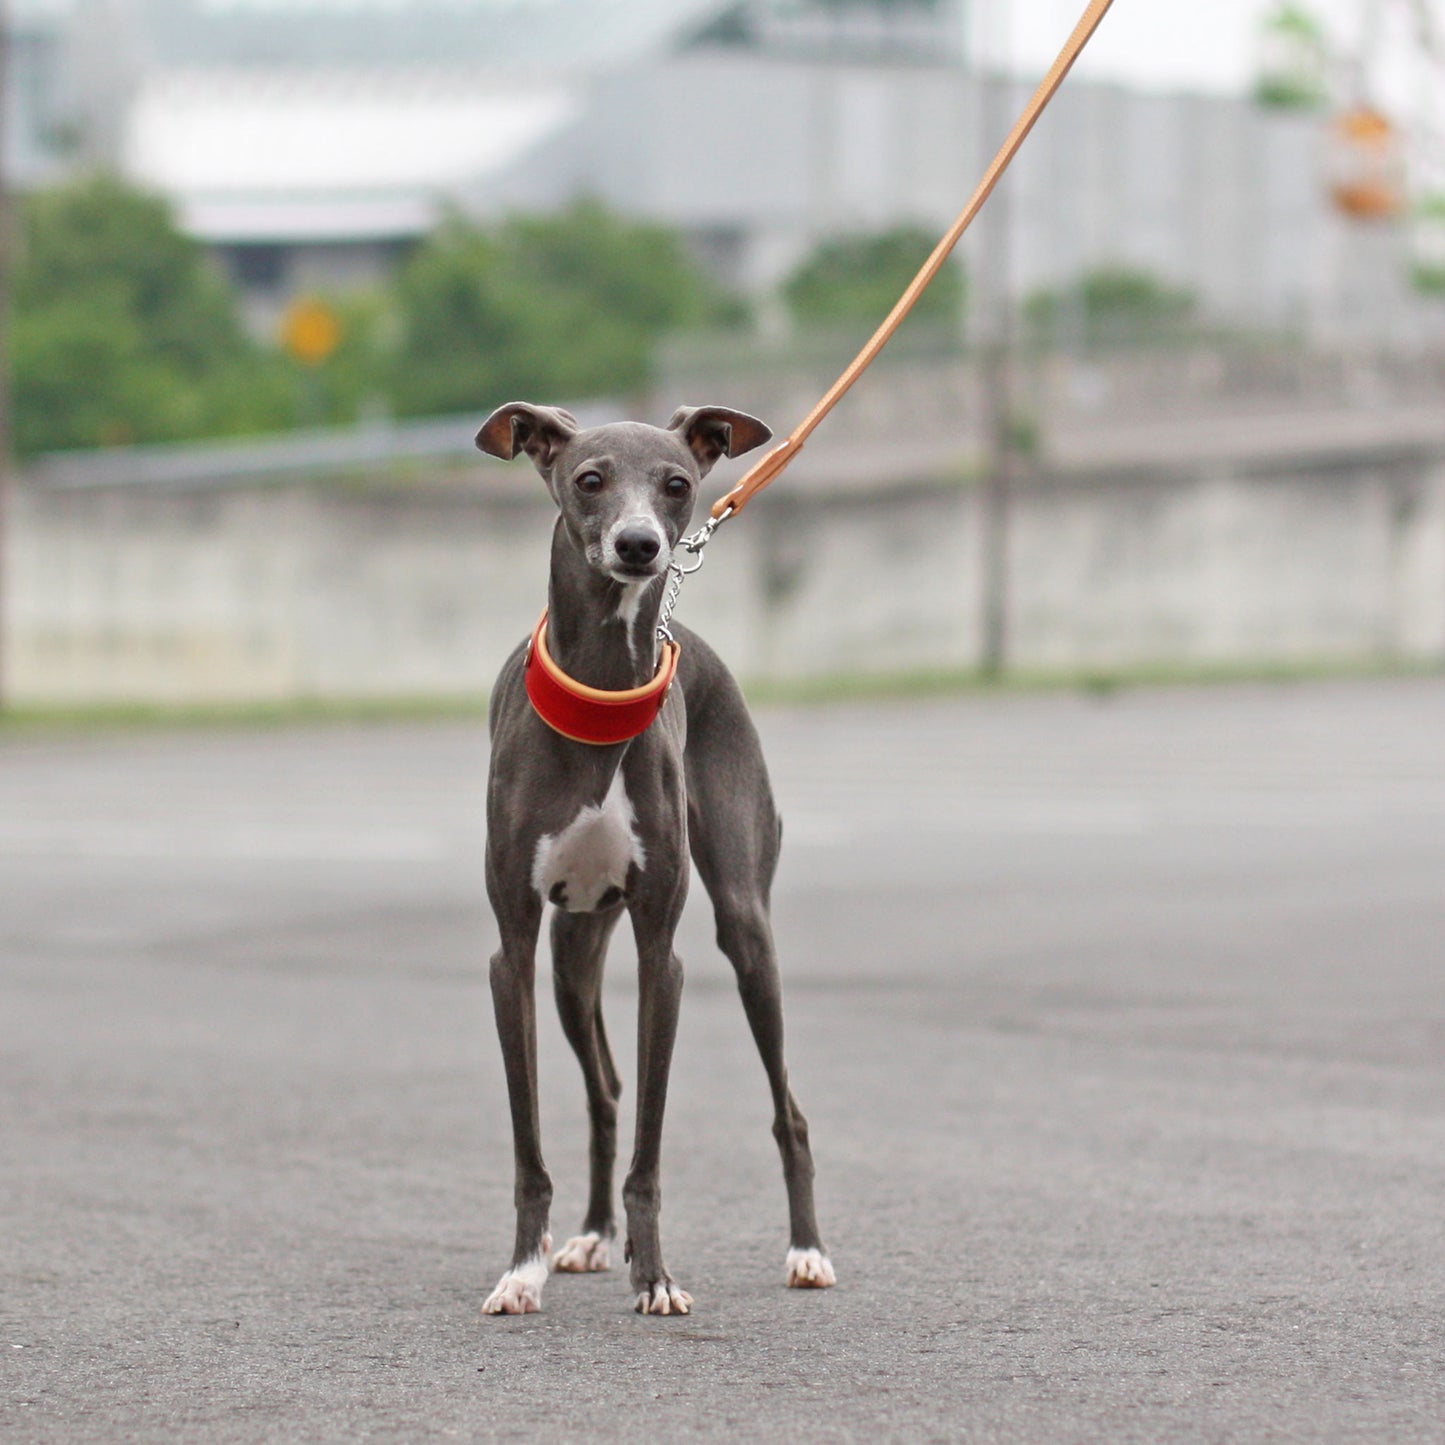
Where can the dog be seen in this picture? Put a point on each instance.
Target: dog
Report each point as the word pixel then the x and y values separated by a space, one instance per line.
pixel 603 824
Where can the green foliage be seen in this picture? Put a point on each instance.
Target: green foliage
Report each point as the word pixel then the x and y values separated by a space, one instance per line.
pixel 458 323
pixel 1296 60
pixel 1113 304
pixel 1428 271
pixel 855 280
pixel 124 332
pixel 351 385
pixel 558 306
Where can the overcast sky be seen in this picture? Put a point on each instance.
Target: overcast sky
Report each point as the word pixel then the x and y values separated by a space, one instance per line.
pixel 1214 44
pixel 1205 44
pixel 1166 44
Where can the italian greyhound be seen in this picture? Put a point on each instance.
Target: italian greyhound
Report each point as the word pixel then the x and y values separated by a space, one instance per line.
pixel 599 830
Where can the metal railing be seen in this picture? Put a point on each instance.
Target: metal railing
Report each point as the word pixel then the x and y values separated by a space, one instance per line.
pixel 331 451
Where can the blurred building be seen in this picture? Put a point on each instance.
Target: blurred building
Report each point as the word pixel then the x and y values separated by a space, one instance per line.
pixel 35 126
pixel 310 144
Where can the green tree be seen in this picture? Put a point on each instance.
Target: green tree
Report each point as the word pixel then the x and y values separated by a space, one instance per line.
pixel 559 306
pixel 1114 303
pixel 457 323
pixel 854 280
pixel 1429 265
pixel 123 331
pixel 1294 60
pixel 352 383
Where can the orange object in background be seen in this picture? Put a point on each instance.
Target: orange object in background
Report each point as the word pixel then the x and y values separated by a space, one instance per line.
pixel 310 331
pixel 1366 165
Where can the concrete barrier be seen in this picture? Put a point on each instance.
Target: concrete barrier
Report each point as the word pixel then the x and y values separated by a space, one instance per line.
pixel 1253 507
pixel 418 581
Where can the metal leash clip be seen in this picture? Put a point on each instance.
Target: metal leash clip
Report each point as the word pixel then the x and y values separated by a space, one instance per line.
pixel 693 543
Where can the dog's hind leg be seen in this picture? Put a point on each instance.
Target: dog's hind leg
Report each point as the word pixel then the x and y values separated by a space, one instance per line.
pixel 735 836
pixel 579 947
pixel 745 935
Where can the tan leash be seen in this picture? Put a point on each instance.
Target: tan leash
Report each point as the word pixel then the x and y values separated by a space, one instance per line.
pixel 767 471
pixel 771 467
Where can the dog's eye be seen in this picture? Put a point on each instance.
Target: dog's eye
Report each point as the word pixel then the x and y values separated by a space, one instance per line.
pixel 678 486
pixel 589 482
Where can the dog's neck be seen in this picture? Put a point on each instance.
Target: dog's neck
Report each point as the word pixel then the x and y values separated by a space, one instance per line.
pixel 600 632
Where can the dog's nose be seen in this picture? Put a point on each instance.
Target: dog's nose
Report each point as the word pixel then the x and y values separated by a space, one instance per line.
pixel 637 546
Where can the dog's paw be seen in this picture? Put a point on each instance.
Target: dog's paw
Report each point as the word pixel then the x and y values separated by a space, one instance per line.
pixel 583 1254
pixel 519 1291
pixel 663 1298
pixel 810 1269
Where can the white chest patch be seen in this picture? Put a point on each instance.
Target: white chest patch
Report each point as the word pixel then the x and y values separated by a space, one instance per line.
pixel 630 601
pixel 627 608
pixel 579 867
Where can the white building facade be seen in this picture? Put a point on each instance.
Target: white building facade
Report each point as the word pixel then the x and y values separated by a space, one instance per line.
pixel 312 145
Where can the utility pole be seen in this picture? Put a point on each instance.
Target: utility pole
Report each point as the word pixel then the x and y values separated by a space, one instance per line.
pixel 993 310
pixel 7 255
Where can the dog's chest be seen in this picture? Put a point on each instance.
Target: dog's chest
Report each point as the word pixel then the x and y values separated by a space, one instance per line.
pixel 585 866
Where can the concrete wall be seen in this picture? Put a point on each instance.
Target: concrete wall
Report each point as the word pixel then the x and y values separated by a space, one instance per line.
pixel 1340 563
pixel 265 592
pixel 304 589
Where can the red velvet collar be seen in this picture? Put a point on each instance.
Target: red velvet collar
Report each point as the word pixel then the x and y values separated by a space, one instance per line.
pixel 589 714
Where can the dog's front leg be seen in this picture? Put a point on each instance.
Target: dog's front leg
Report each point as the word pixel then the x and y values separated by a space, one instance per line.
pixel 660 996
pixel 513 976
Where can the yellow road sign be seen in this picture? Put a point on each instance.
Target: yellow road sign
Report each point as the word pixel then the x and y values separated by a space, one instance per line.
pixel 310 330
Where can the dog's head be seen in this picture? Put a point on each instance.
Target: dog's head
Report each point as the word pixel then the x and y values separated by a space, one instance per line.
pixel 625 490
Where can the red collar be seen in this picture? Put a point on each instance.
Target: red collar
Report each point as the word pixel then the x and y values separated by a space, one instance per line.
pixel 589 714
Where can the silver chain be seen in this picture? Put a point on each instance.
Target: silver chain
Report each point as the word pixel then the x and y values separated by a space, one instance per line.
pixel 693 543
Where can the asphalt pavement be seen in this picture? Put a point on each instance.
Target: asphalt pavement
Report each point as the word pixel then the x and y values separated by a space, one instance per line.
pixel 1120 1022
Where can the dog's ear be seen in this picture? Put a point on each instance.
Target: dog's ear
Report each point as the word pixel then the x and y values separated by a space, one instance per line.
pixel 540 431
pixel 714 431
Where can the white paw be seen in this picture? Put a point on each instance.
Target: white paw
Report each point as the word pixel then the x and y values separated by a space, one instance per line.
pixel 583 1254
pixel 665 1298
pixel 810 1269
pixel 519 1291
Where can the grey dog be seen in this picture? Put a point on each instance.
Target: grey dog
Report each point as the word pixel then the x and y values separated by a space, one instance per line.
pixel 599 830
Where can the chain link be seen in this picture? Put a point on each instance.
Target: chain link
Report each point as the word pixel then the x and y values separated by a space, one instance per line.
pixel 693 543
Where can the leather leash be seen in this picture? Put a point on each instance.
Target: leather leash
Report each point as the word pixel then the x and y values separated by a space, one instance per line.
pixel 589 715
pixel 771 466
